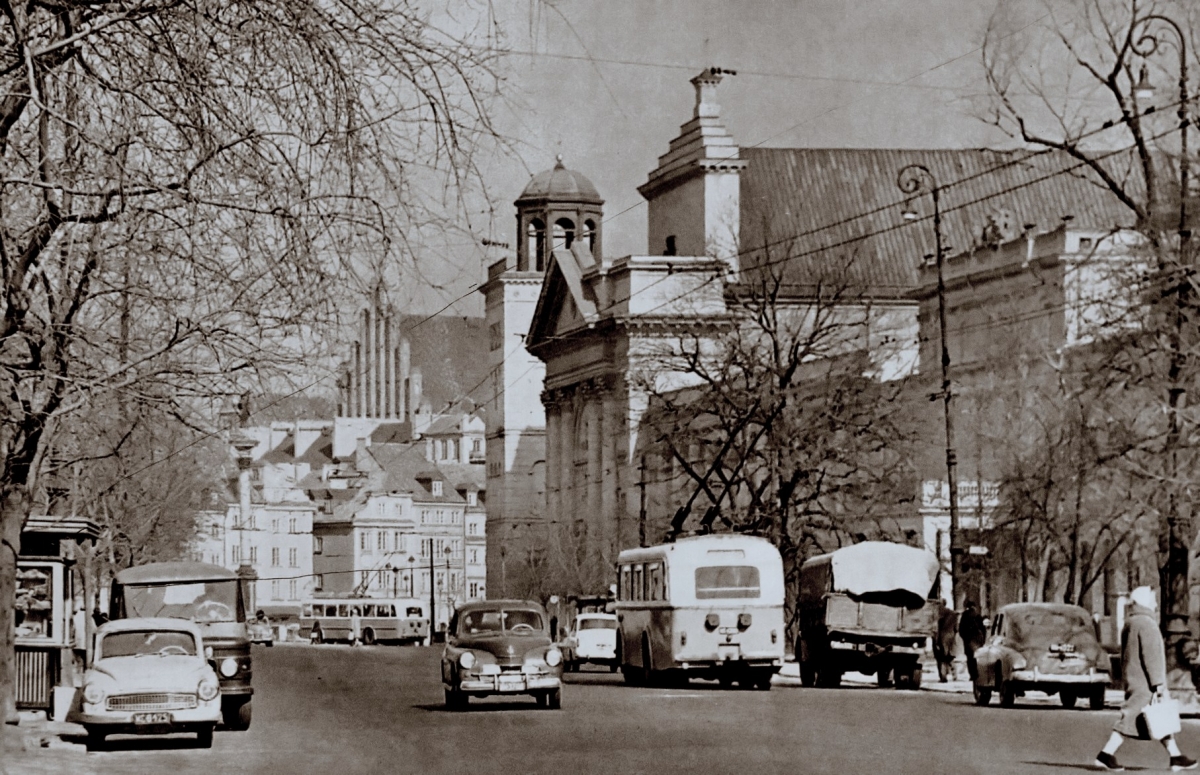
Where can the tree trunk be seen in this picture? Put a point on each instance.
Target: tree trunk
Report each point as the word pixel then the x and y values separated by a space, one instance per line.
pixel 12 517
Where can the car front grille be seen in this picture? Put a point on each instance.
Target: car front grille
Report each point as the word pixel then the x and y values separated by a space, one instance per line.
pixel 159 701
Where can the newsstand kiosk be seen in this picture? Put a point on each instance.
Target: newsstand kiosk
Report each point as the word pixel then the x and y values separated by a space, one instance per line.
pixel 49 643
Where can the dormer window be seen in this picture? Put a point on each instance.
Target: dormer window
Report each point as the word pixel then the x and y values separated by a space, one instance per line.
pixel 437 488
pixel 472 498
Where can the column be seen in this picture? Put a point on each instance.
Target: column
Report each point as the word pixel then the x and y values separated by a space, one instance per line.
pixel 550 400
pixel 609 433
pixel 368 347
pixel 566 455
pixel 593 406
pixel 356 382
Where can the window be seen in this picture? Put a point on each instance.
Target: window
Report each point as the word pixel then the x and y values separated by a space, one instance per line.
pixel 472 498
pixel 275 589
pixel 424 516
pixel 727 581
pixel 215 530
pixel 564 233
pixel 439 545
pixel 364 541
pixel 476 446
pixel 365 578
pixel 589 235
pixel 379 506
pixel 294 557
pixel 474 589
pixel 400 542
pixel 639 582
pixel 454 449
pixel 318 582
pixel 274 526
pixel 456 547
pixel 437 487
pixel 535 246
pixel 625 590
pixel 424 548
pixel 473 528
pixel 292 589
pixel 441 517
pixel 253 554
pixel 292 525
pixel 343 609
pixel 381 540
pixel 318 544
pixel 474 556
pixel 236 553
pixel 654 582
pixel 275 557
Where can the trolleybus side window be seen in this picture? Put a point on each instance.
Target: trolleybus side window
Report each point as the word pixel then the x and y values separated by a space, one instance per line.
pixel 727 581
pixel 343 609
pixel 307 610
pixel 368 610
pixel 654 581
pixel 413 611
pixel 331 610
pixel 625 590
pixel 638 583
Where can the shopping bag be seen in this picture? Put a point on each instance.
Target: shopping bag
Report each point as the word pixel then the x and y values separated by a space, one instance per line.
pixel 1162 717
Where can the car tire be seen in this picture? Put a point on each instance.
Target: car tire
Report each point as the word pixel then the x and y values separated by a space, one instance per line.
pixel 883 677
pixel 270 643
pixel 1096 698
pixel 1008 695
pixel 95 739
pixel 456 700
pixel 982 694
pixel 204 738
pixel 368 637
pixel 554 699
pixel 236 715
pixel 762 682
pixel 613 667
pixel 1067 698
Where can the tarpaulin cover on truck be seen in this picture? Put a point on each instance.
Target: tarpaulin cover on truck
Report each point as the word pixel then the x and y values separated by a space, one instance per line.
pixel 882 567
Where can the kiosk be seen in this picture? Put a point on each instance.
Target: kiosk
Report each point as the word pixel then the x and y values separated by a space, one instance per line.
pixel 48 643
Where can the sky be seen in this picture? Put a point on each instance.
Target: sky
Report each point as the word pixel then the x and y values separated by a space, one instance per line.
pixel 606 84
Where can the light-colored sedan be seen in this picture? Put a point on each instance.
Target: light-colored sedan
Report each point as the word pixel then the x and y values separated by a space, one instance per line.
pixel 593 641
pixel 150 677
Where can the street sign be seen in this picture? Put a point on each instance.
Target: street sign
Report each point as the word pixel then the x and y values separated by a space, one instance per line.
pixel 977 550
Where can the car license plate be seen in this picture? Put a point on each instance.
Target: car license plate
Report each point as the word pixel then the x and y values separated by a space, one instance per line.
pixel 726 653
pixel 152 718
pixel 512 683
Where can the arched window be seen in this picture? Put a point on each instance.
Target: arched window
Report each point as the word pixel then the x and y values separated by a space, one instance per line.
pixel 535 246
pixel 564 233
pixel 589 234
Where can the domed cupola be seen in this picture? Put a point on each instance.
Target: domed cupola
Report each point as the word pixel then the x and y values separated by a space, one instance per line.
pixel 563 203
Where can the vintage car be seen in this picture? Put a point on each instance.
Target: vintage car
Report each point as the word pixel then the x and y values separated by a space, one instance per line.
pixel 260 630
pixel 593 640
pixel 1046 647
pixel 149 677
pixel 501 647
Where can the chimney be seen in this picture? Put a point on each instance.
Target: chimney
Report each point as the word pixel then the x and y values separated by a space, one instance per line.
pixel 706 94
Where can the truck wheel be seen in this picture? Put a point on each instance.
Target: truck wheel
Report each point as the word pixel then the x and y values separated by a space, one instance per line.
pixel 1067 698
pixel 1096 698
pixel 554 699
pixel 903 680
pixel 204 738
pixel 915 679
pixel 883 677
pixel 983 694
pixel 368 638
pixel 456 700
pixel 236 714
pixel 95 739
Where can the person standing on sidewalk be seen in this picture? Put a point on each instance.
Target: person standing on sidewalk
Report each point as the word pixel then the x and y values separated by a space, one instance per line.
pixel 973 633
pixel 943 643
pixel 1144 665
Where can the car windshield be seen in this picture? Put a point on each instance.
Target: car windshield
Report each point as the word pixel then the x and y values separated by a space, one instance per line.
pixel 1057 626
pixel 513 620
pixel 202 601
pixel 132 643
pixel 597 624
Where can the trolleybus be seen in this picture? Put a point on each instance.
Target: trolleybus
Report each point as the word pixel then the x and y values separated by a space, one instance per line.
pixel 380 620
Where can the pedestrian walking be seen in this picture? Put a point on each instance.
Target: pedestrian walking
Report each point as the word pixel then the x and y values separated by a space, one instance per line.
pixel 973 633
pixel 1144 665
pixel 355 624
pixel 943 643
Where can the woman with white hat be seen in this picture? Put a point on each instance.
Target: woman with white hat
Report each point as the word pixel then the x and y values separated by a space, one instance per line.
pixel 1144 666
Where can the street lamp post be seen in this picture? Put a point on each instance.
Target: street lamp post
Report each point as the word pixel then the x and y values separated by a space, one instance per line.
pixel 412 584
pixel 243 445
pixel 391 572
pixel 917 179
pixel 1147 43
pixel 449 588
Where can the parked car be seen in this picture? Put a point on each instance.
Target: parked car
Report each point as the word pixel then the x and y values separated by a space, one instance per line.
pixel 593 641
pixel 501 647
pixel 149 677
pixel 1046 647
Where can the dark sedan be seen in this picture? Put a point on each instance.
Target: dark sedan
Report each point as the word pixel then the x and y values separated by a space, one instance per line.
pixel 501 647
pixel 1047 647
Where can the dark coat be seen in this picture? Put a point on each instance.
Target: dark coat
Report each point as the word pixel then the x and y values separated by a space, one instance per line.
pixel 946 629
pixel 972 630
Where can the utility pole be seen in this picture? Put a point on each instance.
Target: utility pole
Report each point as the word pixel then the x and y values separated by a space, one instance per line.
pixel 432 599
pixel 642 501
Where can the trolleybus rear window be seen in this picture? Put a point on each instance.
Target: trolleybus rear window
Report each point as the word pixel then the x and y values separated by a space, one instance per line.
pixel 727 581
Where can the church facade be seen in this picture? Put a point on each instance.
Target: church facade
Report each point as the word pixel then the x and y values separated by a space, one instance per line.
pixel 585 343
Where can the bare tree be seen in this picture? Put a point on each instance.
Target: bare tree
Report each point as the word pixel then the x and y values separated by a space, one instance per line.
pixel 187 186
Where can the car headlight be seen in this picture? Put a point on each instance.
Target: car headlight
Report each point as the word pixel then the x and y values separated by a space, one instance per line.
pixel 553 657
pixel 93 694
pixel 229 667
pixel 207 689
pixel 466 660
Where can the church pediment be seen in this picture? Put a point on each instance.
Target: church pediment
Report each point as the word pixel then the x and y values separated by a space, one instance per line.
pixel 564 304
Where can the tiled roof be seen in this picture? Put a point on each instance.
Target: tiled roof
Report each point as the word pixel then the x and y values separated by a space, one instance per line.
pixel 789 196
pixel 392 433
pixel 283 453
pixel 405 466
pixel 444 425
pixel 319 452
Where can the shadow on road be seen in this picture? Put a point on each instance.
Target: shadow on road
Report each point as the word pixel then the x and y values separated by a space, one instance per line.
pixel 135 743
pixel 480 706
pixel 1078 766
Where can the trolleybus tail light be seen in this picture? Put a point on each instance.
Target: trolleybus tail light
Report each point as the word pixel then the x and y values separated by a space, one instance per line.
pixel 774 636
pixel 712 622
pixel 743 621
pixel 682 638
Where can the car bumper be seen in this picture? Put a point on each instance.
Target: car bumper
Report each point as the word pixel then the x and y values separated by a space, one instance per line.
pixel 508 684
pixel 1037 677
pixel 207 714
pixel 608 655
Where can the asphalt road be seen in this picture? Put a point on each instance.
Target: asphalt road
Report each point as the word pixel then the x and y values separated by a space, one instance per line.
pixel 336 710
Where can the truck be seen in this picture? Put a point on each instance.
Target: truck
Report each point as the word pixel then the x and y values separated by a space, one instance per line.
pixel 869 608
